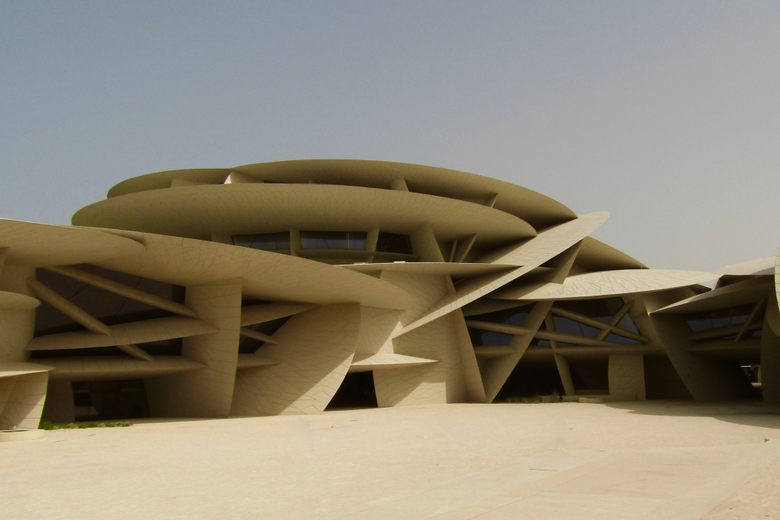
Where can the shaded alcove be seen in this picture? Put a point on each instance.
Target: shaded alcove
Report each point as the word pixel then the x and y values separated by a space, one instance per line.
pixel 356 391
pixel 108 400
pixel 531 379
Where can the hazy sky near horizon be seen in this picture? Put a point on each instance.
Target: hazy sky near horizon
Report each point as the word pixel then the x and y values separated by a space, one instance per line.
pixel 665 114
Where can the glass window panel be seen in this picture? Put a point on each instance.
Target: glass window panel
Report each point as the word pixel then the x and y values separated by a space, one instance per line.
pixel 539 342
pixel 574 328
pixel 509 316
pixel 602 310
pixel 621 340
pixel 626 323
pixel 333 240
pixel 393 243
pixel 266 241
pixel 718 319
pixel 487 337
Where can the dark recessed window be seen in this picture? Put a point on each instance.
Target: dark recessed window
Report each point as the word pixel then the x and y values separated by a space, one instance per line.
pixel 509 316
pixel 602 310
pixel 333 239
pixel 718 319
pixel 393 243
pixel 266 241
pixel 627 323
pixel 574 328
pixel 488 337
pixel 622 340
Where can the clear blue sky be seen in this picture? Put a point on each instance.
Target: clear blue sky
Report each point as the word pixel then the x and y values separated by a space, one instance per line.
pixel 666 114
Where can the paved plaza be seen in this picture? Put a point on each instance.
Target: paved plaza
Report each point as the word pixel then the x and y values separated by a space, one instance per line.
pixel 558 460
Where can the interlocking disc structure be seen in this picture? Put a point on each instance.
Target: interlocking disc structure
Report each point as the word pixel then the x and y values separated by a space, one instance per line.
pixel 300 286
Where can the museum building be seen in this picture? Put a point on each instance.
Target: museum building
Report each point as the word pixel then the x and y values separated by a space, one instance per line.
pixel 301 286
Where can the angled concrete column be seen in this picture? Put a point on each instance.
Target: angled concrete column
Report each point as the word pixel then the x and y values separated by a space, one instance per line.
pixel 313 352
pixel 59 406
pixel 449 379
pixel 207 392
pixel 707 379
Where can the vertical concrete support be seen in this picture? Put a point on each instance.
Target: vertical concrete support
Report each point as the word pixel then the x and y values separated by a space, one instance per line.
pixel 426 246
pixel 59 405
pixel 22 401
pixel 16 331
pixel 562 364
pixel 495 372
pixel 17 324
pixel 627 377
pixel 441 339
pixel 376 330
pixel 207 392
pixel 314 352
pixel 707 379
pixel 770 354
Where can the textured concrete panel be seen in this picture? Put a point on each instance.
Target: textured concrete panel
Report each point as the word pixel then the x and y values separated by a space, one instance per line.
pixel 200 211
pixel 264 275
pixel 626 373
pixel 23 402
pixel 207 392
pixel 527 256
pixel 314 352
pixel 439 340
pixel 33 244
pixel 538 209
pixel 94 368
pixel 707 379
pixel 607 283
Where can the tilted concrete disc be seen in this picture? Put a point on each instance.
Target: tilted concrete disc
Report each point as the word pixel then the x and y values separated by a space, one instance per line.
pixel 739 293
pixel 200 211
pixel 97 368
pixel 159 180
pixel 756 267
pixel 595 255
pixel 538 209
pixel 33 244
pixel 13 369
pixel 265 275
pixel 527 256
pixel 607 283
pixel 432 268
pixel 16 301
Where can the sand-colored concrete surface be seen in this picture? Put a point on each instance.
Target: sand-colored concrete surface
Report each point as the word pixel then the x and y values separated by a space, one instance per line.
pixel 559 460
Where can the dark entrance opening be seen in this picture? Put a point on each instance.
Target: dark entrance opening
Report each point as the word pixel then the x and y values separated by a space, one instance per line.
pixel 531 379
pixel 662 381
pixel 108 400
pixel 590 376
pixel 356 391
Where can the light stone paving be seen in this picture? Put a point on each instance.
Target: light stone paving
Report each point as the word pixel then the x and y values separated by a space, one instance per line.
pixel 560 460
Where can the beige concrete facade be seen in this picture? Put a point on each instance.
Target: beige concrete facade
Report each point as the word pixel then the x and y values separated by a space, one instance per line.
pixel 302 286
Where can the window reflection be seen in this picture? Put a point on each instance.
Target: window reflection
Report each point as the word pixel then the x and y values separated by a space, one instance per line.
pixel 718 319
pixel 266 241
pixel 487 337
pixel 602 310
pixel 333 240
pixel 574 328
pixel 393 243
pixel 510 316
